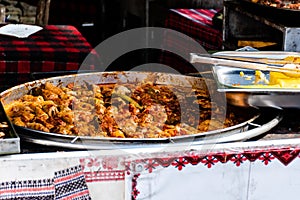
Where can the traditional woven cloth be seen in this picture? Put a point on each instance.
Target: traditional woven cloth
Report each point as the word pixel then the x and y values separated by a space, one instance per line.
pixel 70 184
pixel 27 190
pixel 65 185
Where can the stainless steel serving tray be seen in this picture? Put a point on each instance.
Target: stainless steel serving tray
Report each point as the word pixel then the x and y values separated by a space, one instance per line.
pixel 10 144
pixel 258 95
pixel 234 133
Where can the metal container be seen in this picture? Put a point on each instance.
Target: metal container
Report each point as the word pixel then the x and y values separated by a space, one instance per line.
pixel 274 28
pixel 54 139
pixel 243 92
pixel 10 143
pixel 259 96
pixel 279 15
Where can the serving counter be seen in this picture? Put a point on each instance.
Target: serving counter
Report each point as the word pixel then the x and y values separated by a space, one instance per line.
pixel 253 169
pixel 252 163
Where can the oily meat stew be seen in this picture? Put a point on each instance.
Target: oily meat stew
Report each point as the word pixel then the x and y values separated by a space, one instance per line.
pixel 130 110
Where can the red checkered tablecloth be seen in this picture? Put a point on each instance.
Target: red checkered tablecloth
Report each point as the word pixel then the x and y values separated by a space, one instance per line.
pixel 53 43
pixel 196 23
pixel 54 48
pixel 200 36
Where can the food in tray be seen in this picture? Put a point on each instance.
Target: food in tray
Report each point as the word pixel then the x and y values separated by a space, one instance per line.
pixel 145 110
pixel 284 80
pixel 293 4
pixel 3 128
pixel 275 79
pixel 260 77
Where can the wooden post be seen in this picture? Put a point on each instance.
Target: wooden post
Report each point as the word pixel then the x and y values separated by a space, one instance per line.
pixel 47 10
pixel 42 13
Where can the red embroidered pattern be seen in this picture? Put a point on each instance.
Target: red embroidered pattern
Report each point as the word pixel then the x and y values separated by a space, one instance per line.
pixel 102 176
pixel 285 156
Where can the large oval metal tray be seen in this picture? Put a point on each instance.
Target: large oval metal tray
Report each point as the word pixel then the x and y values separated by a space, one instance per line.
pixel 247 132
pixel 232 133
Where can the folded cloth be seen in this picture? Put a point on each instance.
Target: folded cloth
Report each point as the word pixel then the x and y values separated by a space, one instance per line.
pixel 42 189
pixel 70 184
pixel 67 184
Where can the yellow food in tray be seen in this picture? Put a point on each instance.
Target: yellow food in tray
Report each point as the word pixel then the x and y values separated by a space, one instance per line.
pixel 260 77
pixel 283 80
pixel 277 79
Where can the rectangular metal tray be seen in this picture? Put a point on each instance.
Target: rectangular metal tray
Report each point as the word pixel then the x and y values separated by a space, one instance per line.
pixel 279 15
pixel 10 144
pixel 230 80
pixel 258 95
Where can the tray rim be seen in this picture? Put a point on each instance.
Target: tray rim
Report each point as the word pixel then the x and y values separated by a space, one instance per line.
pixel 243 136
pixel 74 139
